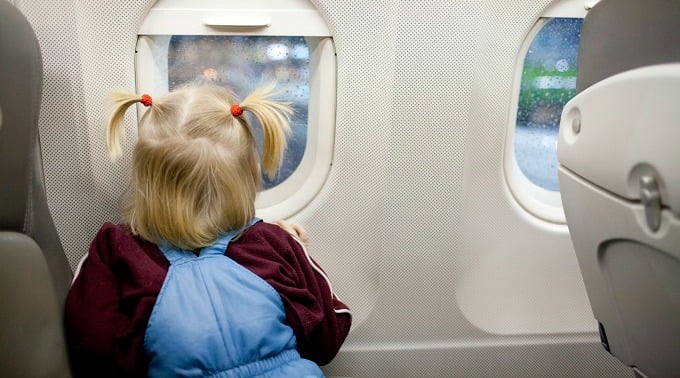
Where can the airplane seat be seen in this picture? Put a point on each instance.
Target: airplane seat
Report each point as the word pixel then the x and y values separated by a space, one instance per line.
pixel 620 182
pixel 34 272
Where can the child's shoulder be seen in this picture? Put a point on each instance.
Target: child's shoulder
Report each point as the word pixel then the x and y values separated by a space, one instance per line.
pixel 111 229
pixel 263 228
pixel 116 234
pixel 263 232
pixel 266 239
pixel 117 242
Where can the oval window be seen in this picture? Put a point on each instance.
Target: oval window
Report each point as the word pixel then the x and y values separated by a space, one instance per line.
pixel 242 46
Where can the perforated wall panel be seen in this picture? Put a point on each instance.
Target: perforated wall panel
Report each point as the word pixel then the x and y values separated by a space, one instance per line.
pixel 88 50
pixel 513 259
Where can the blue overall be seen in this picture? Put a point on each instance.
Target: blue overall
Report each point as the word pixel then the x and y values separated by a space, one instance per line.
pixel 215 318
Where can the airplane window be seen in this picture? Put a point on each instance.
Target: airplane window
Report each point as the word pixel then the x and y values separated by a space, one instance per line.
pixel 241 46
pixel 548 82
pixel 241 63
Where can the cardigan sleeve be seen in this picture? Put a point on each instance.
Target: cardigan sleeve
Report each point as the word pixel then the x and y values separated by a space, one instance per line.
pixel 109 304
pixel 319 319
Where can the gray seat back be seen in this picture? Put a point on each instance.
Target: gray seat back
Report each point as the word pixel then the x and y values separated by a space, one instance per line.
pixel 619 178
pixel 621 35
pixel 34 273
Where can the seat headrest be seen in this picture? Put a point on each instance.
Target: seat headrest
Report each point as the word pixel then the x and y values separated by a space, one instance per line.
pixel 23 203
pixel 620 35
pixel 20 93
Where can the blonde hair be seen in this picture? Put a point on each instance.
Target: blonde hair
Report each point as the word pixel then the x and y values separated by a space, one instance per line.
pixel 196 169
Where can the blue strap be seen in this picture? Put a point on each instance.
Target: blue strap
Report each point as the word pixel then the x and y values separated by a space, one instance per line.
pixel 173 254
pixel 219 247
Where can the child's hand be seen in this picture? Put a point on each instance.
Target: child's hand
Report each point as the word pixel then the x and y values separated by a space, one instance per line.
pixel 295 230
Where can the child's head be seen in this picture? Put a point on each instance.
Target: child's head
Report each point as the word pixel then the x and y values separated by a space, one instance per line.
pixel 196 169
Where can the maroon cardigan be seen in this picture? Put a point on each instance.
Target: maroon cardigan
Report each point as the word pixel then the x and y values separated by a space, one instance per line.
pixel 110 302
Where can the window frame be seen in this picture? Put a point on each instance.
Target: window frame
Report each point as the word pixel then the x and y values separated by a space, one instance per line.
pixel 542 203
pixel 272 18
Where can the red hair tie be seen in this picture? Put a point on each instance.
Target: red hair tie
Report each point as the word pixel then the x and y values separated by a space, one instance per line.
pixel 146 100
pixel 236 110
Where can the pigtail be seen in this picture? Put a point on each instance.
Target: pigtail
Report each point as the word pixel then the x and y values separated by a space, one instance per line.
pixel 274 116
pixel 120 101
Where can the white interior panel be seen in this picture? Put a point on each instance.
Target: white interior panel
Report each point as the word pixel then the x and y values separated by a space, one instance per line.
pixel 446 275
pixel 518 273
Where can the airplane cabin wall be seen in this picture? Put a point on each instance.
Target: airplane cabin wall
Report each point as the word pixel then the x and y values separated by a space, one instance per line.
pixel 445 273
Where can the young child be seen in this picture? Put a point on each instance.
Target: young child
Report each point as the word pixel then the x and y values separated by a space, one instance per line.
pixel 192 284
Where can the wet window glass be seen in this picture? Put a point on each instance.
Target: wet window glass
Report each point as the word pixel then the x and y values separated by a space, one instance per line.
pixel 548 83
pixel 242 63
